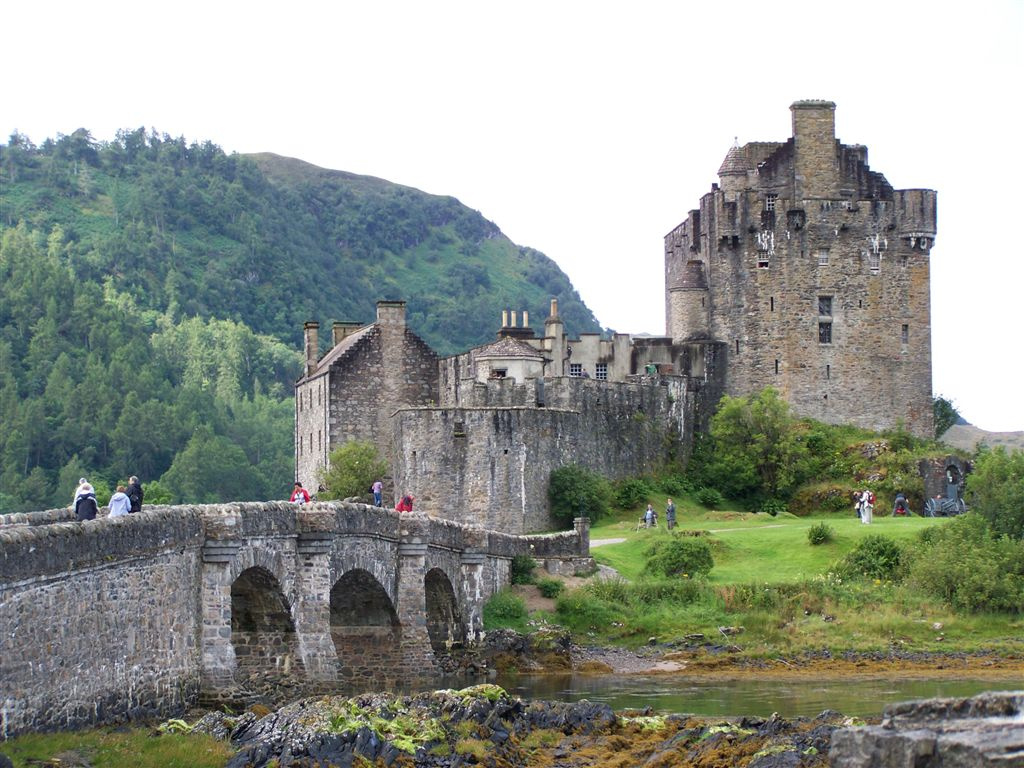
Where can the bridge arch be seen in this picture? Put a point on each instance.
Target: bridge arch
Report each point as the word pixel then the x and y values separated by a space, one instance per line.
pixel 364 626
pixel 445 625
pixel 262 628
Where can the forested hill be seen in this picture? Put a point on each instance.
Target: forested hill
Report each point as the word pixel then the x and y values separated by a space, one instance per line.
pixel 152 295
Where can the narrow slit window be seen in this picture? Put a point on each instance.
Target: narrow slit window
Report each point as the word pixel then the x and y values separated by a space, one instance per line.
pixel 771 304
pixel 825 306
pixel 737 346
pixel 824 333
pixel 828 371
pixel 776 366
pixel 905 334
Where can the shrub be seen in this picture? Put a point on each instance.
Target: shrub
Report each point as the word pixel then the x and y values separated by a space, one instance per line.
pixel 996 490
pixel 875 557
pixel 550 588
pixel 505 609
pixel 522 569
pixel 772 507
pixel 352 469
pixel 574 490
pixel 680 556
pixel 631 492
pixel 710 498
pixel 820 533
pixel 675 485
pixel 968 566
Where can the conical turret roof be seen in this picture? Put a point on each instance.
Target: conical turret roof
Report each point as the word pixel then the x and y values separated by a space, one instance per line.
pixel 735 162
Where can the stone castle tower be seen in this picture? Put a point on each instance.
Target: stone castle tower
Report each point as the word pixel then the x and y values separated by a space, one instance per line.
pixel 814 274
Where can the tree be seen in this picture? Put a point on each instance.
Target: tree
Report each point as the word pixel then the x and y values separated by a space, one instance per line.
pixel 211 469
pixel 995 490
pixel 946 414
pixel 756 445
pixel 352 469
pixel 574 491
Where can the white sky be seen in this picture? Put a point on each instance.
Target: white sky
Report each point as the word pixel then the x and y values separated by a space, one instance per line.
pixel 585 130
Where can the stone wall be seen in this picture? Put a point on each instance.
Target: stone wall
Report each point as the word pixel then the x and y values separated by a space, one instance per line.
pixel 98 620
pixel 489 466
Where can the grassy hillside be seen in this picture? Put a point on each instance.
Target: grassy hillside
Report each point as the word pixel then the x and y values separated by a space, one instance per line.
pixel 273 241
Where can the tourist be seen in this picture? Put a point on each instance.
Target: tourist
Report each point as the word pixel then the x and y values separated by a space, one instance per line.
pixel 378 493
pixel 299 495
pixel 85 505
pixel 899 506
pixel 120 503
pixel 650 517
pixel 134 494
pixel 405 504
pixel 867 506
pixel 670 515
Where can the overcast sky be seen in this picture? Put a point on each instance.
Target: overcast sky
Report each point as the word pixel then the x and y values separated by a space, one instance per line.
pixel 585 130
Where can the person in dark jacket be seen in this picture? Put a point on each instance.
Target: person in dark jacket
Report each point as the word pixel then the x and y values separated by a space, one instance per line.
pixel 85 502
pixel 134 493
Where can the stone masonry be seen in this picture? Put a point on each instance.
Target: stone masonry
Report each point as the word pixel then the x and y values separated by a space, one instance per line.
pixel 143 615
pixel 813 272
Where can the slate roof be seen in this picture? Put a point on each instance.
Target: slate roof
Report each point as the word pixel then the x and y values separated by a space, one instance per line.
pixel 508 347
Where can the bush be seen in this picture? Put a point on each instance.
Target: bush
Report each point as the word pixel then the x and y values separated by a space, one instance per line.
pixel 710 498
pixel 550 588
pixel 631 492
pixel 675 485
pixel 352 468
pixel 965 564
pixel 680 556
pixel 996 490
pixel 505 609
pixel 772 507
pixel 820 533
pixel 574 490
pixel 874 557
pixel 522 569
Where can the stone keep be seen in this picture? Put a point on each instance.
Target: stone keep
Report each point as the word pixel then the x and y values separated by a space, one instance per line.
pixel 814 274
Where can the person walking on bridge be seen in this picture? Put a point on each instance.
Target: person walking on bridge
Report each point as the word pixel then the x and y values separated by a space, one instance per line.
pixel 300 495
pixel 134 494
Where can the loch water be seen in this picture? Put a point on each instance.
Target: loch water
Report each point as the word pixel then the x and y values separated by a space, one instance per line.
pixel 667 694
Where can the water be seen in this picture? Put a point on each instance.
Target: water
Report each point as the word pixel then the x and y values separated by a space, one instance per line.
pixel 790 698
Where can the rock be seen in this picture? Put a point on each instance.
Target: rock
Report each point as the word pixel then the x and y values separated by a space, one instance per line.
pixel 5 761
pixel 986 730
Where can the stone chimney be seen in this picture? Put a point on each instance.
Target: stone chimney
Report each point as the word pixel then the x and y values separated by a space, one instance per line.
pixel 504 318
pixel 554 311
pixel 514 324
pixel 391 313
pixel 312 330
pixel 816 161
pixel 341 329
pixel 526 318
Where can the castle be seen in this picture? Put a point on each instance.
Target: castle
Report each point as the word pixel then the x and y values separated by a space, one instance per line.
pixel 802 270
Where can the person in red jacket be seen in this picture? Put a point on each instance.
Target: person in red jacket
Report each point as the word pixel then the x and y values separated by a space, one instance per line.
pixel 300 495
pixel 405 505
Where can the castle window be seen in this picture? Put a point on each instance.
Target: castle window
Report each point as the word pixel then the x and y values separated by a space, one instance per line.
pixel 874 262
pixel 776 367
pixel 737 346
pixel 601 371
pixel 825 306
pixel 771 304
pixel 905 334
pixel 903 261
pixel 824 333
pixel 823 257
pixel 762 261
pixel 459 429
pixel 769 202
pixel 828 371
pixel 498 373
pixel 575 369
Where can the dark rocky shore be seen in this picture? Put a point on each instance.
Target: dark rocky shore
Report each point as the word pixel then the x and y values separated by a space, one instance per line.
pixel 483 725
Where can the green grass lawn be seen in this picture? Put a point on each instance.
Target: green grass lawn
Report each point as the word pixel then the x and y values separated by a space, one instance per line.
pixel 117 747
pixel 750 547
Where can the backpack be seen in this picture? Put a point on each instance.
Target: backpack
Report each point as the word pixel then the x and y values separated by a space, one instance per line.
pixel 871 498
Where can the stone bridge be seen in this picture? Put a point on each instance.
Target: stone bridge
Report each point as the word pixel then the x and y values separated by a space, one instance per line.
pixel 147 614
